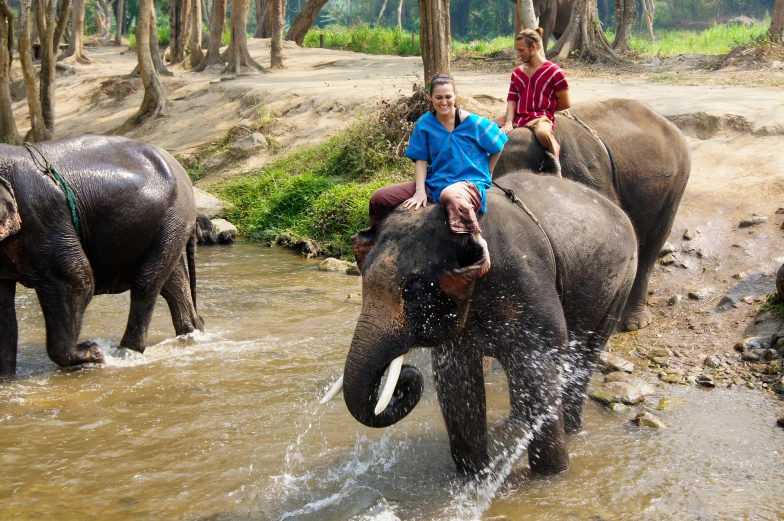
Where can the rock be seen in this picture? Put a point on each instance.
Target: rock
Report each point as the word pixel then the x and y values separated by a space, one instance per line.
pixel 657 302
pixel 308 247
pixel 245 123
pixel 769 355
pixel 778 65
pixel 751 356
pixel 740 275
pixel 208 205
pixel 623 392
pixel 675 299
pixel 617 376
pixel 664 403
pixel 353 269
pixel 667 249
pixel 780 422
pixel 660 351
pixel 752 221
pixel 617 407
pixel 646 419
pixel 332 264
pixel 651 61
pixel 671 378
pixel 774 367
pixel 668 259
pixel 615 362
pixel 705 381
pixel 663 361
pixel 701 294
pixel 251 142
pixel 225 231
pixel 739 346
pixel 205 232
pixel 688 235
pixel 683 263
pixel 215 161
pixel 757 342
pixel 712 362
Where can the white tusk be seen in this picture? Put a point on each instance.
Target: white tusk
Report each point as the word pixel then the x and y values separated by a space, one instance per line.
pixel 333 391
pixel 389 387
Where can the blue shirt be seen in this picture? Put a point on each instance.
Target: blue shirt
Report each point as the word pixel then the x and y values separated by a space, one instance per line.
pixel 460 155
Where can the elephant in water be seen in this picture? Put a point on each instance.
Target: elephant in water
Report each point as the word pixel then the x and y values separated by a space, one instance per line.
pixel 136 213
pixel 544 310
pixel 641 162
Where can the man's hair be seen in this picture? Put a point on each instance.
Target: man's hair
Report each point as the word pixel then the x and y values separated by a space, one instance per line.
pixel 531 36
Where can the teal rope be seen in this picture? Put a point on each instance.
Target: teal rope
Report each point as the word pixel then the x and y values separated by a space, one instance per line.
pixel 49 169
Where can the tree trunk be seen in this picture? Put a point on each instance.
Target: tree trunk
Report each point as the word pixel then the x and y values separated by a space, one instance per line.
pixel 585 33
pixel 263 29
pixel 197 55
pixel 155 50
pixel 8 131
pixel 179 22
pixel 381 13
pixel 276 48
pixel 304 20
pixel 238 56
pixel 400 16
pixel 45 16
pixel 213 56
pixel 649 10
pixel 62 23
pixel 75 50
pixel 625 14
pixel 435 37
pixel 154 102
pixel 776 30
pixel 120 17
pixel 105 15
pixel 37 127
pixel 527 15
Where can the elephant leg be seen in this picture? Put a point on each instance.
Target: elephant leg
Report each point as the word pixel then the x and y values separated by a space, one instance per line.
pixel 177 293
pixel 9 335
pixel 461 393
pixel 636 315
pixel 63 306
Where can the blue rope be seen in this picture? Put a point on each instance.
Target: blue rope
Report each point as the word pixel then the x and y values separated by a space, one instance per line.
pixel 49 169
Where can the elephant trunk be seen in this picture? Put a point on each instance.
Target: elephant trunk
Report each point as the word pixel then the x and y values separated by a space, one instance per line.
pixel 370 353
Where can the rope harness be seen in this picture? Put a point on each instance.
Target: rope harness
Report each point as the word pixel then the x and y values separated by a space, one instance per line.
pixel 569 114
pixel 516 200
pixel 51 172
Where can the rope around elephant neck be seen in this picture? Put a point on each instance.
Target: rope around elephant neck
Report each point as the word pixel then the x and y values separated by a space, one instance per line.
pixel 50 171
pixel 516 200
pixel 569 114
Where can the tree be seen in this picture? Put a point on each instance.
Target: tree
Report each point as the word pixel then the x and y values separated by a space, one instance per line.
pixel 8 131
pixel 154 101
pixel 305 19
pixel 62 24
pixel 120 17
pixel 179 25
pixel 776 30
pixel 45 16
pixel 524 11
pixel 196 55
pixel 276 13
pixel 584 33
pixel 625 13
pixel 648 11
pixel 37 128
pixel 213 56
pixel 75 50
pixel 263 27
pixel 104 19
pixel 237 55
pixel 400 16
pixel 434 33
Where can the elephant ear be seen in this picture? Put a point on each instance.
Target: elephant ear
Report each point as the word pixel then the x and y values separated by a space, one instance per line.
pixel 459 284
pixel 10 222
pixel 362 243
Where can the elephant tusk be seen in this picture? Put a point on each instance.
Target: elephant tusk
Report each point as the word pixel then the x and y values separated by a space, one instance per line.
pixel 389 387
pixel 333 391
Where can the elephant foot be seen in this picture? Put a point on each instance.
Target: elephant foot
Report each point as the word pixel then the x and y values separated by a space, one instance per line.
pixel 88 353
pixel 634 320
pixel 572 423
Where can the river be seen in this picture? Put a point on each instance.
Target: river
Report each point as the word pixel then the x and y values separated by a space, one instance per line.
pixel 226 425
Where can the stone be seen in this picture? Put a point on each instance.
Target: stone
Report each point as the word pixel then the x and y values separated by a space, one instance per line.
pixel 651 61
pixel 623 392
pixel 683 263
pixel 663 361
pixel 779 211
pixel 757 342
pixel 205 232
pixel 667 249
pixel 751 356
pixel 660 351
pixel 617 376
pixel 675 299
pixel 712 362
pixel 780 422
pixel 774 367
pixel 646 419
pixel 769 355
pixel 664 403
pixel 701 294
pixel 251 142
pixel 615 362
pixel 332 264
pixel 245 123
pixel 208 205
pixel 308 247
pixel 688 235
pixel 752 221
pixel 226 232
pixel 657 302
pixel 353 269
pixel 740 275
pixel 617 407
pixel 668 259
pixel 671 378
pixel 705 381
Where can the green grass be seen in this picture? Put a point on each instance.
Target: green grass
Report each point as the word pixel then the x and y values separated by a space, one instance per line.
pixel 719 39
pixel 320 192
pixel 362 38
pixel 774 305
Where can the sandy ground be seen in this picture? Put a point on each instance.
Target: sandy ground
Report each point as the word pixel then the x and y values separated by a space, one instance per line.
pixel 736 136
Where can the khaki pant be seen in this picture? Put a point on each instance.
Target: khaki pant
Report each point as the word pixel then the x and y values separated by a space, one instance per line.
pixel 543 130
pixel 461 200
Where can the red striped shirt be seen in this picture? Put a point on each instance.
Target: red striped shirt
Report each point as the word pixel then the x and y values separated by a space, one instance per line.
pixel 535 96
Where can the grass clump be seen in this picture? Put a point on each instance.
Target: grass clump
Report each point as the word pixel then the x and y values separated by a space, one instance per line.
pixel 774 305
pixel 322 192
pixel 363 38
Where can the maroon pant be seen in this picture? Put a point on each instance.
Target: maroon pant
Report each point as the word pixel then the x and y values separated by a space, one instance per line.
pixel 461 200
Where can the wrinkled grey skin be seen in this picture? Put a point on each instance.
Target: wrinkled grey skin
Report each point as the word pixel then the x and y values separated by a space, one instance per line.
pixel 652 164
pixel 553 17
pixel 137 213
pixel 421 289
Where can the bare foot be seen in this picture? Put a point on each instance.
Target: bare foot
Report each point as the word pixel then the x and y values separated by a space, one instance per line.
pixel 485 267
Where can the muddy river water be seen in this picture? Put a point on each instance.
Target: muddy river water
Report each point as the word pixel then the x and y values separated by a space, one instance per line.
pixel 226 425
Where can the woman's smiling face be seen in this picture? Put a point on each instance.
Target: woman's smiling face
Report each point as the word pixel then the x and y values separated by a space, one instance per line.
pixel 443 99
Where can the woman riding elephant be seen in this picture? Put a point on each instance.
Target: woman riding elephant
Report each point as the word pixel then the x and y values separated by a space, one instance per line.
pixel 120 220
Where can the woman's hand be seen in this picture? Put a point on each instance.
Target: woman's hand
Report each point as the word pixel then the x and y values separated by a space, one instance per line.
pixel 507 127
pixel 419 199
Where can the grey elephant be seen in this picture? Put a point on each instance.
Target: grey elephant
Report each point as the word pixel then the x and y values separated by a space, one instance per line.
pixel 554 16
pixel 559 280
pixel 636 158
pixel 136 214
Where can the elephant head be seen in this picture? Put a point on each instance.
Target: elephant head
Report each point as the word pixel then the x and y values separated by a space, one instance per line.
pixel 10 222
pixel 415 293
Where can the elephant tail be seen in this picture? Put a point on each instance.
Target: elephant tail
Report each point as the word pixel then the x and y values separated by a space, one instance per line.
pixel 190 253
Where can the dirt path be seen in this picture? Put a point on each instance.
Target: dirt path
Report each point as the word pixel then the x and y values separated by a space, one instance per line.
pixel 736 136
